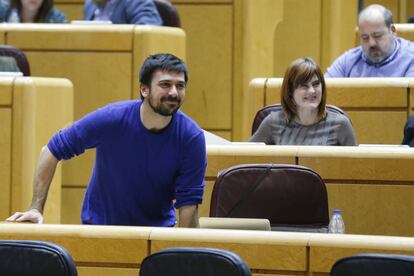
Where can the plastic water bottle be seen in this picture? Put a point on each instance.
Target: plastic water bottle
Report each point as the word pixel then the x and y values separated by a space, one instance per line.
pixel 337 225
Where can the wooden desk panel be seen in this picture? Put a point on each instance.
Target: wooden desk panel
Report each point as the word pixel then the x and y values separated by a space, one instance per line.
pixel 40 106
pixel 378 127
pixel 5 162
pixel 209 97
pixel 260 250
pixel 384 168
pixel 72 11
pixel 101 250
pixel 90 246
pixel 5 144
pixel 223 157
pixel 6 91
pixel 325 250
pixel 69 37
pixel 374 209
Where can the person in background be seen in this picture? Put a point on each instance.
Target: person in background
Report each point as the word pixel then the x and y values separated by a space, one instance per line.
pixel 148 154
pixel 122 11
pixel 381 53
pixel 408 138
pixel 30 11
pixel 304 119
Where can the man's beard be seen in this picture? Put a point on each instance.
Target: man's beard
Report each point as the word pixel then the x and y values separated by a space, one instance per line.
pixel 373 56
pixel 378 55
pixel 164 109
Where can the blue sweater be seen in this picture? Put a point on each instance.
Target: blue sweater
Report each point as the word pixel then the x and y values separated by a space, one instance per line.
pixel 137 173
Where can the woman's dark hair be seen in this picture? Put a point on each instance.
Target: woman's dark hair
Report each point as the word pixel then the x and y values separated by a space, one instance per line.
pixel 299 72
pixel 42 13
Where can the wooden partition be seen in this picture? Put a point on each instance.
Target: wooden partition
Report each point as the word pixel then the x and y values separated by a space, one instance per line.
pixel 119 250
pixel 103 62
pixel 377 107
pixel 31 109
pixel 374 186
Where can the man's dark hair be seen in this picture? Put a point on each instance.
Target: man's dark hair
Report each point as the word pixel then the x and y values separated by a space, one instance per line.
pixel 163 62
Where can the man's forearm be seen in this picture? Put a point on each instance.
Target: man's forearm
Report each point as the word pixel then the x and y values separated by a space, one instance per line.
pixel 42 179
pixel 188 216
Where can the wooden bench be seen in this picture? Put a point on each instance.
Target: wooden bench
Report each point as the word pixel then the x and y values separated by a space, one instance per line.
pixel 119 250
pixel 31 109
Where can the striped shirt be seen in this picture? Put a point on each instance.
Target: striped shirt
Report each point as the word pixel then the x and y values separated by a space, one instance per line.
pixel 334 130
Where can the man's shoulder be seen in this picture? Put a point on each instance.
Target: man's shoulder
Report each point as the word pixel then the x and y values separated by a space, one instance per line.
pixel 187 123
pixel 337 117
pixel 353 53
pixel 407 45
pixel 120 107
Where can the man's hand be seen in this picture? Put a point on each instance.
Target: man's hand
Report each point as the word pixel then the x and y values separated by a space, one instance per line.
pixel 188 216
pixel 33 215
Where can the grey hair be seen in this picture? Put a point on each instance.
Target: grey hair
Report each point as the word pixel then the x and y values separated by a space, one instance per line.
pixel 375 7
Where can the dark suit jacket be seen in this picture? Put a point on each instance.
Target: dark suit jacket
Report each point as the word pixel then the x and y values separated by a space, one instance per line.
pixel 128 12
pixel 409 132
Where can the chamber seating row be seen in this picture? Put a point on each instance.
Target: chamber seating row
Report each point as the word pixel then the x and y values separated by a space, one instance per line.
pixel 374 186
pixel 377 107
pixel 119 250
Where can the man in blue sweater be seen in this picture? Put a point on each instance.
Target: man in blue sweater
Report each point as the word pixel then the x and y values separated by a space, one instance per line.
pixel 381 53
pixel 148 154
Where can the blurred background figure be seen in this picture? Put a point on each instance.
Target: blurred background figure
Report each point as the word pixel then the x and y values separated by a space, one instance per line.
pixel 409 132
pixel 122 11
pixel 30 11
pixel 380 54
pixel 8 64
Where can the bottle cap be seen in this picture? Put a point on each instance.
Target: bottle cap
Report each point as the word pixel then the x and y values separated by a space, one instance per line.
pixel 337 211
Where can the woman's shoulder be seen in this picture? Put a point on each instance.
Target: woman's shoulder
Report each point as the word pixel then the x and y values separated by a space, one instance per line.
pixel 274 118
pixel 337 118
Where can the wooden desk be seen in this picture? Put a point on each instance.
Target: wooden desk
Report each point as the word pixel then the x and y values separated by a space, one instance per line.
pixel 31 109
pixel 374 186
pixel 119 250
pixel 326 249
